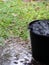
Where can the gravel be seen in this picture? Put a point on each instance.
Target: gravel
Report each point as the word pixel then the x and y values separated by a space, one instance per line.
pixel 16 52
pixel 41 27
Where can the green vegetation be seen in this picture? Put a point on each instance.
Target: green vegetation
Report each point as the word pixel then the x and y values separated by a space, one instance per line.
pixel 15 16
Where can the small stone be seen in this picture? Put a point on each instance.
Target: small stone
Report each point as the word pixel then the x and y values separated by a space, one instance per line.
pixel 25 63
pixel 26 59
pixel 17 59
pixel 16 62
pixel 21 61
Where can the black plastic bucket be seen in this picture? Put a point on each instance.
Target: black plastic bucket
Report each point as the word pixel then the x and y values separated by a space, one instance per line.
pixel 40 44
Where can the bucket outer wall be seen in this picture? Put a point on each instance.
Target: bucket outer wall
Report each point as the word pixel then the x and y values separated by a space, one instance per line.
pixel 40 46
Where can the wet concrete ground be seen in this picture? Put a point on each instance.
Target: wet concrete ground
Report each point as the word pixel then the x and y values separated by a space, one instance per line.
pixel 15 52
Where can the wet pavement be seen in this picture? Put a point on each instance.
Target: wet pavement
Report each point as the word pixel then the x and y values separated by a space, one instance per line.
pixel 15 52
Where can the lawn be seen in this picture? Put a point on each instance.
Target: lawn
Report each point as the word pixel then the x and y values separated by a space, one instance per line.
pixel 15 16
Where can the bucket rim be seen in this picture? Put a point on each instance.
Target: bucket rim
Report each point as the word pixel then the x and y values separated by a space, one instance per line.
pixel 36 33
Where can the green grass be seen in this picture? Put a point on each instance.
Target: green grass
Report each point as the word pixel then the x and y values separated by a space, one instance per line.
pixel 15 16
